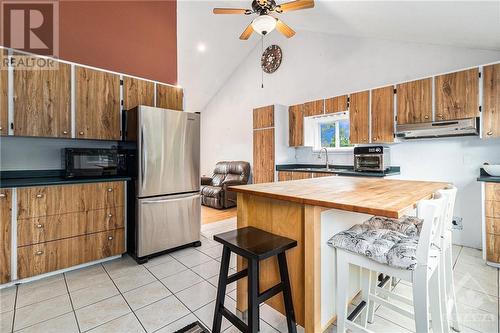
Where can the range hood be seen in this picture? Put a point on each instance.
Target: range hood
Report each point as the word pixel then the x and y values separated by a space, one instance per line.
pixel 436 129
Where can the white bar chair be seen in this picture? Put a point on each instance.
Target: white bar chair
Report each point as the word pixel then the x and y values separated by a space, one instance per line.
pixel 423 273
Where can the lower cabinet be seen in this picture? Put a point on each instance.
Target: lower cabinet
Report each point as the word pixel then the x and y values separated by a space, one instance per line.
pixel 296 175
pixel 492 222
pixel 5 232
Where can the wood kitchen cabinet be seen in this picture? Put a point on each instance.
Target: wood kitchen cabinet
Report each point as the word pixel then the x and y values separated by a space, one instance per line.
pixel 296 125
pixel 97 104
pixel 382 109
pixel 414 102
pixel 336 104
pixel 293 175
pixel 359 109
pixel 491 101
pixel 4 106
pixel 263 155
pixel 492 221
pixel 5 234
pixel 169 97
pixel 137 92
pixel 457 95
pixel 314 108
pixel 42 101
pixel 263 117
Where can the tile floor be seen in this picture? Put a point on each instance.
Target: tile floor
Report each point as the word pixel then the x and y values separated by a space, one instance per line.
pixel 172 291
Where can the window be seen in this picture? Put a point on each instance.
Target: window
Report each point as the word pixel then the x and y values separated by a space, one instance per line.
pixel 333 132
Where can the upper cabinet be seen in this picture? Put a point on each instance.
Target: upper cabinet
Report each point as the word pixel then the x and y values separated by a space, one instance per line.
pixel 336 104
pixel 4 108
pixel 169 97
pixel 382 102
pixel 97 104
pixel 296 125
pixel 314 108
pixel 491 101
pixel 359 117
pixel 414 102
pixel 263 117
pixel 137 92
pixel 42 101
pixel 457 95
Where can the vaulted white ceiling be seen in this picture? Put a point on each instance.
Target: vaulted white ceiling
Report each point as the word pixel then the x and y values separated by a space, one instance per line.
pixel 472 24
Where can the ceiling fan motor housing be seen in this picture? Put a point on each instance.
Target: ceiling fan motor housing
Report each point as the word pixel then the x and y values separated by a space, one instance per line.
pixel 263 6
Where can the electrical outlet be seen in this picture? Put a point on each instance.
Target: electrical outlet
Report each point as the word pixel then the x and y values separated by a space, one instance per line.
pixel 457 223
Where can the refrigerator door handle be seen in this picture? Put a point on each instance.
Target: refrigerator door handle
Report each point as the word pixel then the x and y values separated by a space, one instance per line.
pixel 170 198
pixel 143 155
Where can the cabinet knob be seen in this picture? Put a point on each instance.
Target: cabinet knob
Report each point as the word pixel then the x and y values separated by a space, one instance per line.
pixel 39 253
pixel 110 215
pixel 39 195
pixel 39 226
pixel 489 133
pixel 110 189
pixel 81 132
pixel 65 132
pixel 1 128
pixel 110 237
pixel 374 139
pixel 426 117
pixel 439 115
pixel 3 195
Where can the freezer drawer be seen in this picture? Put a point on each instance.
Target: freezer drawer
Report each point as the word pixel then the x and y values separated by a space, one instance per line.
pixel 167 222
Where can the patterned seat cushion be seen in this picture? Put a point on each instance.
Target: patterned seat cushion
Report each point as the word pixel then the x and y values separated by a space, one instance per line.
pixel 407 225
pixel 386 246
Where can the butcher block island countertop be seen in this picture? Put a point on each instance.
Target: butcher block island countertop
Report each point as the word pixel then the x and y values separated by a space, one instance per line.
pixel 311 211
pixel 385 197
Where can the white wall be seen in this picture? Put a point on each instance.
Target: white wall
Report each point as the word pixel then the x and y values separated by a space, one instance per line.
pixel 317 65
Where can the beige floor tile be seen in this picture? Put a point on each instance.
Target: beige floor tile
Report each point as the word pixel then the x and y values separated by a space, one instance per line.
pixel 86 277
pixel 264 328
pixel 455 251
pixel 121 266
pixel 382 325
pixel 93 294
pixel 170 268
pixel 206 313
pixel 213 252
pixel 99 313
pixel 63 324
pixel 183 253
pixel 6 319
pixel 195 259
pixel 42 311
pixel 178 324
pixel 476 282
pixel 159 260
pixel 41 290
pixel 208 244
pixel 214 281
pixel 476 268
pixel 125 324
pixel 7 299
pixel 469 251
pixel 134 280
pixel 181 281
pixel 478 320
pixel 145 295
pixel 198 295
pixel 161 313
pixel 208 269
pixel 478 300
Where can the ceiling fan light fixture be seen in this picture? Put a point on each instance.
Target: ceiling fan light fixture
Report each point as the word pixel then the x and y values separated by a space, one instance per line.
pixel 264 24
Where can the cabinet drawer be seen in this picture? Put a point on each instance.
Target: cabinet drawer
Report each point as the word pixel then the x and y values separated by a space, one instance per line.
pixel 51 256
pixel 493 191
pixel 493 248
pixel 493 225
pixel 61 199
pixel 48 228
pixel 492 208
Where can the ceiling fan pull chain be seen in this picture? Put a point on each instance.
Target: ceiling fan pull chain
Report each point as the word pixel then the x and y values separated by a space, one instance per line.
pixel 261 69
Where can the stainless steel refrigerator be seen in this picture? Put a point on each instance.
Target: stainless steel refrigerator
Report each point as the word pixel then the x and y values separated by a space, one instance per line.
pixel 168 204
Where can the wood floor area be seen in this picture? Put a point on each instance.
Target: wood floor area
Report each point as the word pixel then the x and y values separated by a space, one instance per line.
pixel 211 215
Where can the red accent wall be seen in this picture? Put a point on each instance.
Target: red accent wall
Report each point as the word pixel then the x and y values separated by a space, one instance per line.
pixel 132 37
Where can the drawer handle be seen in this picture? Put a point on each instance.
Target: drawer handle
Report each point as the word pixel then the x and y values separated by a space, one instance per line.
pixel 110 189
pixel 110 237
pixel 39 195
pixel 39 253
pixel 489 133
pixel 426 117
pixel 81 132
pixel 110 215
pixel 39 226
pixel 65 132
pixel 3 195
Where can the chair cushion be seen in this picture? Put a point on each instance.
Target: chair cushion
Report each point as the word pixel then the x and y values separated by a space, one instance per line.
pixel 407 225
pixel 385 246
pixel 211 191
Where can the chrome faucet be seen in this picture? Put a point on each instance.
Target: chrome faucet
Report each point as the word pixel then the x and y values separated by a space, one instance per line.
pixel 327 166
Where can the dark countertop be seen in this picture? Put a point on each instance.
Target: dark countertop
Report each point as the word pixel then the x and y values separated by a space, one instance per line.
pixel 341 170
pixel 26 178
pixel 485 177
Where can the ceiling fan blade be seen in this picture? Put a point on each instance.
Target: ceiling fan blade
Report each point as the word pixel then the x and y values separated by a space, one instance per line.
pixel 294 5
pixel 232 11
pixel 284 29
pixel 248 31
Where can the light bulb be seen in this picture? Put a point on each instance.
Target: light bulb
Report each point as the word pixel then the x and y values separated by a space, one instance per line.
pixel 264 24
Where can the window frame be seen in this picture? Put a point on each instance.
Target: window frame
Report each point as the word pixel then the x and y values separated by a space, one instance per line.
pixel 325 119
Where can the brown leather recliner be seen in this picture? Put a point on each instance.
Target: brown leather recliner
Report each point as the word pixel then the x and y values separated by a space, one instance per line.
pixel 214 192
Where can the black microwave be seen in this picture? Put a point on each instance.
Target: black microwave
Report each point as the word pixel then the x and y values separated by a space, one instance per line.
pixel 93 162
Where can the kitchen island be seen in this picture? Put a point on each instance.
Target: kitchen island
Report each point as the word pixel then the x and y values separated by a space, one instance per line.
pixel 311 211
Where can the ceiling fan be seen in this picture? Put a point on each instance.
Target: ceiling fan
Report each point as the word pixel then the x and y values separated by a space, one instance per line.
pixel 265 23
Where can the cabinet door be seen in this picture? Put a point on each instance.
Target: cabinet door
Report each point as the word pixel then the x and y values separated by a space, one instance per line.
pixel 491 101
pixel 4 107
pixel 382 115
pixel 314 108
pixel 414 101
pixel 493 248
pixel 457 95
pixel 336 104
pixel 42 100
pixel 5 234
pixel 263 117
pixel 263 155
pixel 285 175
pixel 169 97
pixel 301 175
pixel 296 125
pixel 359 117
pixel 137 92
pixel 97 104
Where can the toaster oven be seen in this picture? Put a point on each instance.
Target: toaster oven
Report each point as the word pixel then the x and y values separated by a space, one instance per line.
pixel 372 158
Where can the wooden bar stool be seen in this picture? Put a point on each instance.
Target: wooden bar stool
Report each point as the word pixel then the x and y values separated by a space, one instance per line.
pixel 254 245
